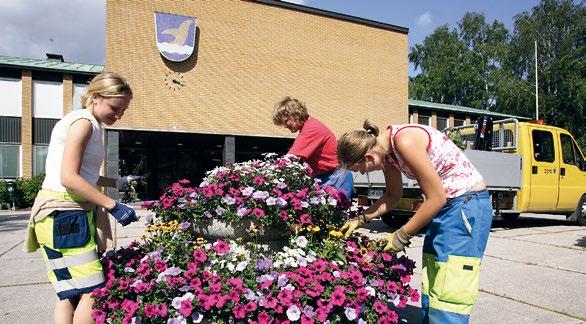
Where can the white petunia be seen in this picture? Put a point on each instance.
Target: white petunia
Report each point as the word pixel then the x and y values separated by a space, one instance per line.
pixel 281 202
pixel 350 313
pixel 228 200
pixel 371 291
pixel 293 313
pixel 301 241
pixel 247 191
pixel 260 194
pixel 271 201
pixel 241 266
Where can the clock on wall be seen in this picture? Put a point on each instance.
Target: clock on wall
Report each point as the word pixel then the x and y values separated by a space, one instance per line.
pixel 174 80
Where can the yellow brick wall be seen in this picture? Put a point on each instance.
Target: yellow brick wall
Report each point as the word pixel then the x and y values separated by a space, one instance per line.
pixel 27 124
pixel 67 93
pixel 248 56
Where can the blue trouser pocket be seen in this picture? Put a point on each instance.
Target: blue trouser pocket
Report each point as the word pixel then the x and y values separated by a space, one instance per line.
pixel 70 229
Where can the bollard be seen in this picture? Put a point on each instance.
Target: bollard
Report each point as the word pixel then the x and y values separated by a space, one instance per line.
pixel 11 188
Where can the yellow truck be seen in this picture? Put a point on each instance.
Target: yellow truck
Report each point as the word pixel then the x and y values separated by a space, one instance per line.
pixel 531 168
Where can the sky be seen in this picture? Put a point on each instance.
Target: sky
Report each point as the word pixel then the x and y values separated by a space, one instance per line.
pixel 76 28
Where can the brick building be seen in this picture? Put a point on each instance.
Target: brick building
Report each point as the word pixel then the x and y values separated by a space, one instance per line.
pixel 216 106
pixel 35 95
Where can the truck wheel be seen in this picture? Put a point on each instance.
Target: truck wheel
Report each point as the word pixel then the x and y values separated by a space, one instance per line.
pixel 581 212
pixel 510 216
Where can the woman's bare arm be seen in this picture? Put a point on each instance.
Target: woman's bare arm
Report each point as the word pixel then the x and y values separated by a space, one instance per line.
pixel 76 141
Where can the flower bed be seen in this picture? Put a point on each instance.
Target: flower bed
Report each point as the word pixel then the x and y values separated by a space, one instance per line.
pixel 174 276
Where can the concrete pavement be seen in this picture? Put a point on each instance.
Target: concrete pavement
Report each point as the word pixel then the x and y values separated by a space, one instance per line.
pixel 533 271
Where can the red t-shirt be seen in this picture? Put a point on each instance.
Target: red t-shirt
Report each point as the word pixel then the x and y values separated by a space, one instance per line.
pixel 316 145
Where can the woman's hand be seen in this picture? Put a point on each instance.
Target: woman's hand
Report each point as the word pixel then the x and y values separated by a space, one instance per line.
pixel 353 224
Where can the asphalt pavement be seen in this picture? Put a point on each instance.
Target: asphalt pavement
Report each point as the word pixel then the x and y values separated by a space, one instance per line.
pixel 533 271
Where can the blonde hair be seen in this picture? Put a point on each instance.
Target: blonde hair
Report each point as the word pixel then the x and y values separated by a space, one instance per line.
pixel 289 107
pixel 353 145
pixel 106 85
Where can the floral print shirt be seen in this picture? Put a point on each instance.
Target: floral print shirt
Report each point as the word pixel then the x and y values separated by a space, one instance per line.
pixel 456 172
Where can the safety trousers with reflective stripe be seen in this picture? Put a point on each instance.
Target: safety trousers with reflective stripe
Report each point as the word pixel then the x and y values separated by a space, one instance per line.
pixel 75 269
pixel 452 250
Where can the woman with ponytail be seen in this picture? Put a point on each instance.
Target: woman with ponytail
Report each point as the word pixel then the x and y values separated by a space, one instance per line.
pixel 457 209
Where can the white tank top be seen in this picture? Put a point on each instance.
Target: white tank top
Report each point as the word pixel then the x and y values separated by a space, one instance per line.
pixel 456 172
pixel 92 157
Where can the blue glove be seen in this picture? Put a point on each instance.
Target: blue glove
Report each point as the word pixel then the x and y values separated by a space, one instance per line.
pixel 124 214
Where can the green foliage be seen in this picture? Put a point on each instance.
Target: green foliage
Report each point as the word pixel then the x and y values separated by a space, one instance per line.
pixel 24 193
pixel 3 194
pixel 27 190
pixel 482 65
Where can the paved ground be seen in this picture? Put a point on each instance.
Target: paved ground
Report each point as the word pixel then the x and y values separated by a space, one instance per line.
pixel 534 271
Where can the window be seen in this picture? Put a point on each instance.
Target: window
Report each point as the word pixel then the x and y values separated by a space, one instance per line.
pixel 39 158
pixel 78 91
pixel 458 122
pixel 424 120
pixel 9 161
pixel 11 94
pixel 567 149
pixel 543 150
pixel 442 123
pixel 47 99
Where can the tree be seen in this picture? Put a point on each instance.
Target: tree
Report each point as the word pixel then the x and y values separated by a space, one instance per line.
pixel 559 27
pixel 458 66
pixel 481 65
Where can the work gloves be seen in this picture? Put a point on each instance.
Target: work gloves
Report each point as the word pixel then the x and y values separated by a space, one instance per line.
pixel 123 213
pixel 353 224
pixel 397 241
pixel 122 182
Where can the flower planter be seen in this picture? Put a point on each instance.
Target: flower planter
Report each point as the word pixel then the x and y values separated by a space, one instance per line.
pixel 247 231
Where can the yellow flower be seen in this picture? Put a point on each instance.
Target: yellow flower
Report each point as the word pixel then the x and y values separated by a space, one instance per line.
pixel 336 234
pixel 200 240
pixel 313 228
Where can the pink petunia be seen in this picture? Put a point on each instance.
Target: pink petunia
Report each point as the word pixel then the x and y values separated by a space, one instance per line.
pixel 99 316
pixel 283 215
pixel 186 307
pixel 414 295
pixel 305 219
pixel 338 297
pixel 239 311
pixel 161 310
pixel 387 257
pixel 235 283
pixel 258 212
pixel 250 306
pixel 285 297
pixel 264 318
pixel 221 247
pixel 150 310
pixel 380 308
pixel 270 302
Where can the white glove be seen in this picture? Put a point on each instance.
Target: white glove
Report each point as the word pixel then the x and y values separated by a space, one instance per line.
pixel 122 182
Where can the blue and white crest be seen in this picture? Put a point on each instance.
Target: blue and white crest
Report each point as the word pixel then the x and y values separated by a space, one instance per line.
pixel 175 35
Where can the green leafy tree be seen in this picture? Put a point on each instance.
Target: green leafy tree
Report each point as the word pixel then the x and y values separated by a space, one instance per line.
pixel 458 66
pixel 559 28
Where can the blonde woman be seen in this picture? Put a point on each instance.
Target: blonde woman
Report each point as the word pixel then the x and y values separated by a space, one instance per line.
pixel 457 209
pixel 63 219
pixel 315 144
